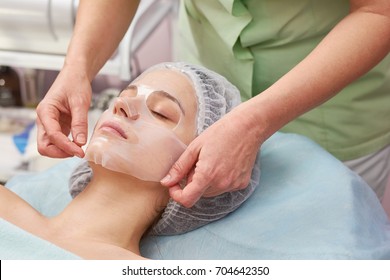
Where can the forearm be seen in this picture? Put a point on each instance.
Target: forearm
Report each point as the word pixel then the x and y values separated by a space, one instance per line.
pixel 351 49
pixel 100 26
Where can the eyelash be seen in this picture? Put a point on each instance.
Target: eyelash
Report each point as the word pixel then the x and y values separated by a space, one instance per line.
pixel 160 116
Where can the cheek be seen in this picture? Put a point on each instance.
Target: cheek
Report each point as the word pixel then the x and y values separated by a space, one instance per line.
pixel 186 131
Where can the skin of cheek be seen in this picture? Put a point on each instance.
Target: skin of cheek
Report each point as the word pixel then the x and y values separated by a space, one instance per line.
pixel 149 159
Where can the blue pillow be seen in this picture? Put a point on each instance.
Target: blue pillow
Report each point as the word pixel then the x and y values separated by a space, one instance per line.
pixel 308 205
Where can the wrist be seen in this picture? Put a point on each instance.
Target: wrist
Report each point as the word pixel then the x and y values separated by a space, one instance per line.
pixel 265 114
pixel 252 122
pixel 80 67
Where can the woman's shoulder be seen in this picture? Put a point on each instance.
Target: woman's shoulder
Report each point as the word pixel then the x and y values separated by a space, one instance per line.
pixel 17 211
pixel 94 250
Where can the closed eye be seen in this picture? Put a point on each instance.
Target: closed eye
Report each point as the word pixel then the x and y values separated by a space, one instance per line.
pixel 159 115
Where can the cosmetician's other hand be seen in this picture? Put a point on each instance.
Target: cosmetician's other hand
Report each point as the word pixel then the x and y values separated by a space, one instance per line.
pixel 219 160
pixel 64 110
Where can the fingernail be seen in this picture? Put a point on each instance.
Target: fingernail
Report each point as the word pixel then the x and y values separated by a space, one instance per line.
pixel 80 138
pixel 78 152
pixel 166 179
pixel 79 155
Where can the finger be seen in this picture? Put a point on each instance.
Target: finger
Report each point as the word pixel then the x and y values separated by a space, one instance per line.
pixel 181 167
pixel 55 144
pixel 54 152
pixel 191 193
pixel 56 137
pixel 45 147
pixel 175 191
pixel 80 125
pixel 190 176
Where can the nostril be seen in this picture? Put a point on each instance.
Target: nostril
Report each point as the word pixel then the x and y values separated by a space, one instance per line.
pixel 123 112
pixel 118 110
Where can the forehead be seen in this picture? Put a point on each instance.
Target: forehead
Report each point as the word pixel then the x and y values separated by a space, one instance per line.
pixel 169 80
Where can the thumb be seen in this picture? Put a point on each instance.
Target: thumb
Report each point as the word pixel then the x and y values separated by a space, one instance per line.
pixel 181 167
pixel 80 125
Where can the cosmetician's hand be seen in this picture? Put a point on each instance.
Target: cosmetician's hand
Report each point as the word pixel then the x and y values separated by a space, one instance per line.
pixel 64 110
pixel 219 160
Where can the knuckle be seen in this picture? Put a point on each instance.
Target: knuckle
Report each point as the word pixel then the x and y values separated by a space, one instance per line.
pixel 202 174
pixel 41 143
pixel 177 167
pixel 185 200
pixel 242 186
pixel 243 183
pixel 40 107
pixel 223 184
pixel 41 150
pixel 51 135
pixel 192 151
pixel 81 123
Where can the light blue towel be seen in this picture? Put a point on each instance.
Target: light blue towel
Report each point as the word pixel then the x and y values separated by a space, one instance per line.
pixel 17 244
pixel 308 206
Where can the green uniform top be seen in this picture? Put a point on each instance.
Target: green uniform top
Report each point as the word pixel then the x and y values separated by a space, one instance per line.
pixel 254 42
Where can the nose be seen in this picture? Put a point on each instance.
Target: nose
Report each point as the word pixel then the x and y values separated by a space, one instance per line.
pixel 125 109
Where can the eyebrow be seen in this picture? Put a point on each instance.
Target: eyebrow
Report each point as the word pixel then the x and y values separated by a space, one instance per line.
pixel 164 93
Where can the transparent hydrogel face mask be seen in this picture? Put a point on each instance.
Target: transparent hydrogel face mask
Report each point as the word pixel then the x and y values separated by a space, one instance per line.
pixel 134 136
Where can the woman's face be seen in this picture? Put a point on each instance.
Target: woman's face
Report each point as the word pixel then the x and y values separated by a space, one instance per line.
pixel 171 100
pixel 147 127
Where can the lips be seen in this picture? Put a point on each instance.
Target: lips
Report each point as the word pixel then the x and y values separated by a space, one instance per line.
pixel 114 128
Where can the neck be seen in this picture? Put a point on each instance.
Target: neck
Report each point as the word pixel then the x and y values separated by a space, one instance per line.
pixel 114 208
